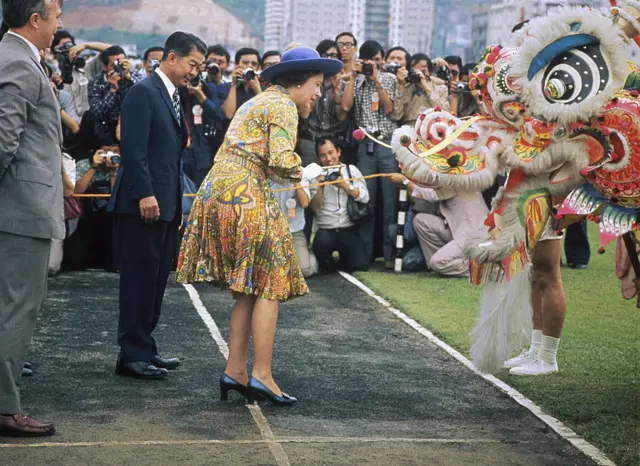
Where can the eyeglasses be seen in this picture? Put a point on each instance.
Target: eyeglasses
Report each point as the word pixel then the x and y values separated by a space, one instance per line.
pixel 454 72
pixel 329 55
pixel 346 45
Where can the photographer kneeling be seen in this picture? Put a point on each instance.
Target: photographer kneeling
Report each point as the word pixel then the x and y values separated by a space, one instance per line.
pixel 336 230
pixel 91 245
pixel 417 92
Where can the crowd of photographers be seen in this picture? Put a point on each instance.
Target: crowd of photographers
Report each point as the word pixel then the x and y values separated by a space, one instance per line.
pixel 377 90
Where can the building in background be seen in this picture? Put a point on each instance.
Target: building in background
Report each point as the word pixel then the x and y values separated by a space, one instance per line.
pixel 491 24
pixel 390 22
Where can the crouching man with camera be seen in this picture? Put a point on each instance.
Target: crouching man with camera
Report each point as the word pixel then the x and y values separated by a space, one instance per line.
pixel 337 230
pixel 417 91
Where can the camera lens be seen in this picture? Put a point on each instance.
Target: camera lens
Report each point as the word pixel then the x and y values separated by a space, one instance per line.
pixel 249 74
pixel 332 176
pixel 115 160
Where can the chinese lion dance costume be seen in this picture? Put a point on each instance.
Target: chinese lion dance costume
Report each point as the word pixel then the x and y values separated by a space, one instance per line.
pixel 562 119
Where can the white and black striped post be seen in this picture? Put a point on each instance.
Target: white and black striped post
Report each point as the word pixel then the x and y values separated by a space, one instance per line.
pixel 403 207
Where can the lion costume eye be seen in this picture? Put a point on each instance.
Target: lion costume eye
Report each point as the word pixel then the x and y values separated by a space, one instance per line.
pixel 575 75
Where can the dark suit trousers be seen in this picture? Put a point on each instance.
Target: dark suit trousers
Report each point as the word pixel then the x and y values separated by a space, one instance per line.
pixel 144 253
pixel 576 244
pixel 23 286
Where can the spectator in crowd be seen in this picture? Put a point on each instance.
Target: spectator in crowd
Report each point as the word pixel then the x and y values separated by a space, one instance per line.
pixel 218 59
pixel 576 246
pixel 245 83
pixel 107 92
pixel 454 63
pixel 68 115
pixel 327 117
pixel 398 55
pixel 347 44
pixel 78 78
pixel 91 245
pixel 442 234
pixel 270 57
pixel 336 230
pixel 371 92
pixel 417 91
pixel 151 59
pixel 467 103
pixel 203 115
pixel 294 199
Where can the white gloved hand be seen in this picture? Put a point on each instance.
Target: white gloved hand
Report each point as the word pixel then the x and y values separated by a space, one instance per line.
pixel 312 171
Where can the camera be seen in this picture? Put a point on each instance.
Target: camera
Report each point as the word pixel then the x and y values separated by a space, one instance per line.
pixel 462 87
pixel 113 156
pixel 195 81
pixel 248 75
pixel 414 78
pixel 367 70
pixel 212 68
pixel 154 64
pixel 333 175
pixel 117 67
pixel 443 73
pixel 66 65
pixel 392 67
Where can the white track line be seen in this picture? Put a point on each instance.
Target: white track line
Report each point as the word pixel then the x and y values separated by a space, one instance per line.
pixel 265 431
pixel 320 440
pixel 562 430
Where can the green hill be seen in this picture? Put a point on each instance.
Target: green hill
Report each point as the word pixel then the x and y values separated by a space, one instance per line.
pixel 250 11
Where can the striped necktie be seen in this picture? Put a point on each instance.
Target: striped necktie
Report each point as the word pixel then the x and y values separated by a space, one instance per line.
pixel 176 104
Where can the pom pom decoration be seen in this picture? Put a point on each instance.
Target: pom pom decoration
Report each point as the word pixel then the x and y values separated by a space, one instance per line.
pixel 405 141
pixel 358 134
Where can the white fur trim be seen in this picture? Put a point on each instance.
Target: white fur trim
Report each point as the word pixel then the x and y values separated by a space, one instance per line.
pixel 504 322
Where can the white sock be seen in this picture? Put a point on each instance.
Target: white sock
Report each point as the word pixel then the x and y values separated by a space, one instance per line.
pixel 548 349
pixel 536 339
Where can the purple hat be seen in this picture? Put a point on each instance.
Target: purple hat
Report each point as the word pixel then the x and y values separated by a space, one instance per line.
pixel 302 59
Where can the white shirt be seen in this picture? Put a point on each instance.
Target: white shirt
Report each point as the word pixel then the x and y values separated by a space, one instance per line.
pixel 33 48
pixel 296 223
pixel 333 213
pixel 167 82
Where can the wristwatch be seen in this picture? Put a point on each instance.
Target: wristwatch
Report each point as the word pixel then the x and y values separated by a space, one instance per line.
pixel 405 182
pixel 352 187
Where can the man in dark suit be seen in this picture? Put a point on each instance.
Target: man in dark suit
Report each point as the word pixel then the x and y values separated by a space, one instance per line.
pixel 146 201
pixel 31 212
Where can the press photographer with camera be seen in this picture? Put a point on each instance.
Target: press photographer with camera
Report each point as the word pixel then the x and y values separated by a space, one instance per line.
pixel 90 245
pixel 396 58
pixel 245 83
pixel 75 71
pixel 204 117
pixel 218 59
pixel 417 91
pixel 151 59
pixel 337 231
pixel 371 92
pixel 108 90
pixel 467 98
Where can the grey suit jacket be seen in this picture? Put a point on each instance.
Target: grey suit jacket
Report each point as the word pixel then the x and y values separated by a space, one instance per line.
pixel 30 139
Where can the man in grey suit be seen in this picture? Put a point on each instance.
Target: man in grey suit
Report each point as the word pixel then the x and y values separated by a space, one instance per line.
pixel 31 209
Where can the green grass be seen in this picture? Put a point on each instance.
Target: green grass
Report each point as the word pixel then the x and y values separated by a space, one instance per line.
pixel 596 392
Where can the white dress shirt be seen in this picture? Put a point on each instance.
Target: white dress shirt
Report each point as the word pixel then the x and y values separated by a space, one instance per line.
pixel 167 82
pixel 333 213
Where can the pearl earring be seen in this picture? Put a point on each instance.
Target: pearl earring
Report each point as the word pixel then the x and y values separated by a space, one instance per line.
pixel 298 86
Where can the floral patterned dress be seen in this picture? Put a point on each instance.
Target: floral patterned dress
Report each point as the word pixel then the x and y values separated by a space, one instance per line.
pixel 236 235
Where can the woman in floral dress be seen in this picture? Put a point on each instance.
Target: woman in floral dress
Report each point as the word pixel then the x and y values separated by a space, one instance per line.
pixel 237 236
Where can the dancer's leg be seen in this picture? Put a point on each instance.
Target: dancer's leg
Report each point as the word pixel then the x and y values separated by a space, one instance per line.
pixel 263 325
pixel 239 334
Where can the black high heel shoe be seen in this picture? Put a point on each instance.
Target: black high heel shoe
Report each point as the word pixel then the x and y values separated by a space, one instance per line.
pixel 258 390
pixel 227 383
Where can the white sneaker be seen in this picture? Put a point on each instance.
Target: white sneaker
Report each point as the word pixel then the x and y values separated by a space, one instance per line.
pixel 536 367
pixel 523 358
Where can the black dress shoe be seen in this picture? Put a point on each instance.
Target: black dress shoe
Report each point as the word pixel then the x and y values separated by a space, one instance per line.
pixel 165 363
pixel 140 370
pixel 26 372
